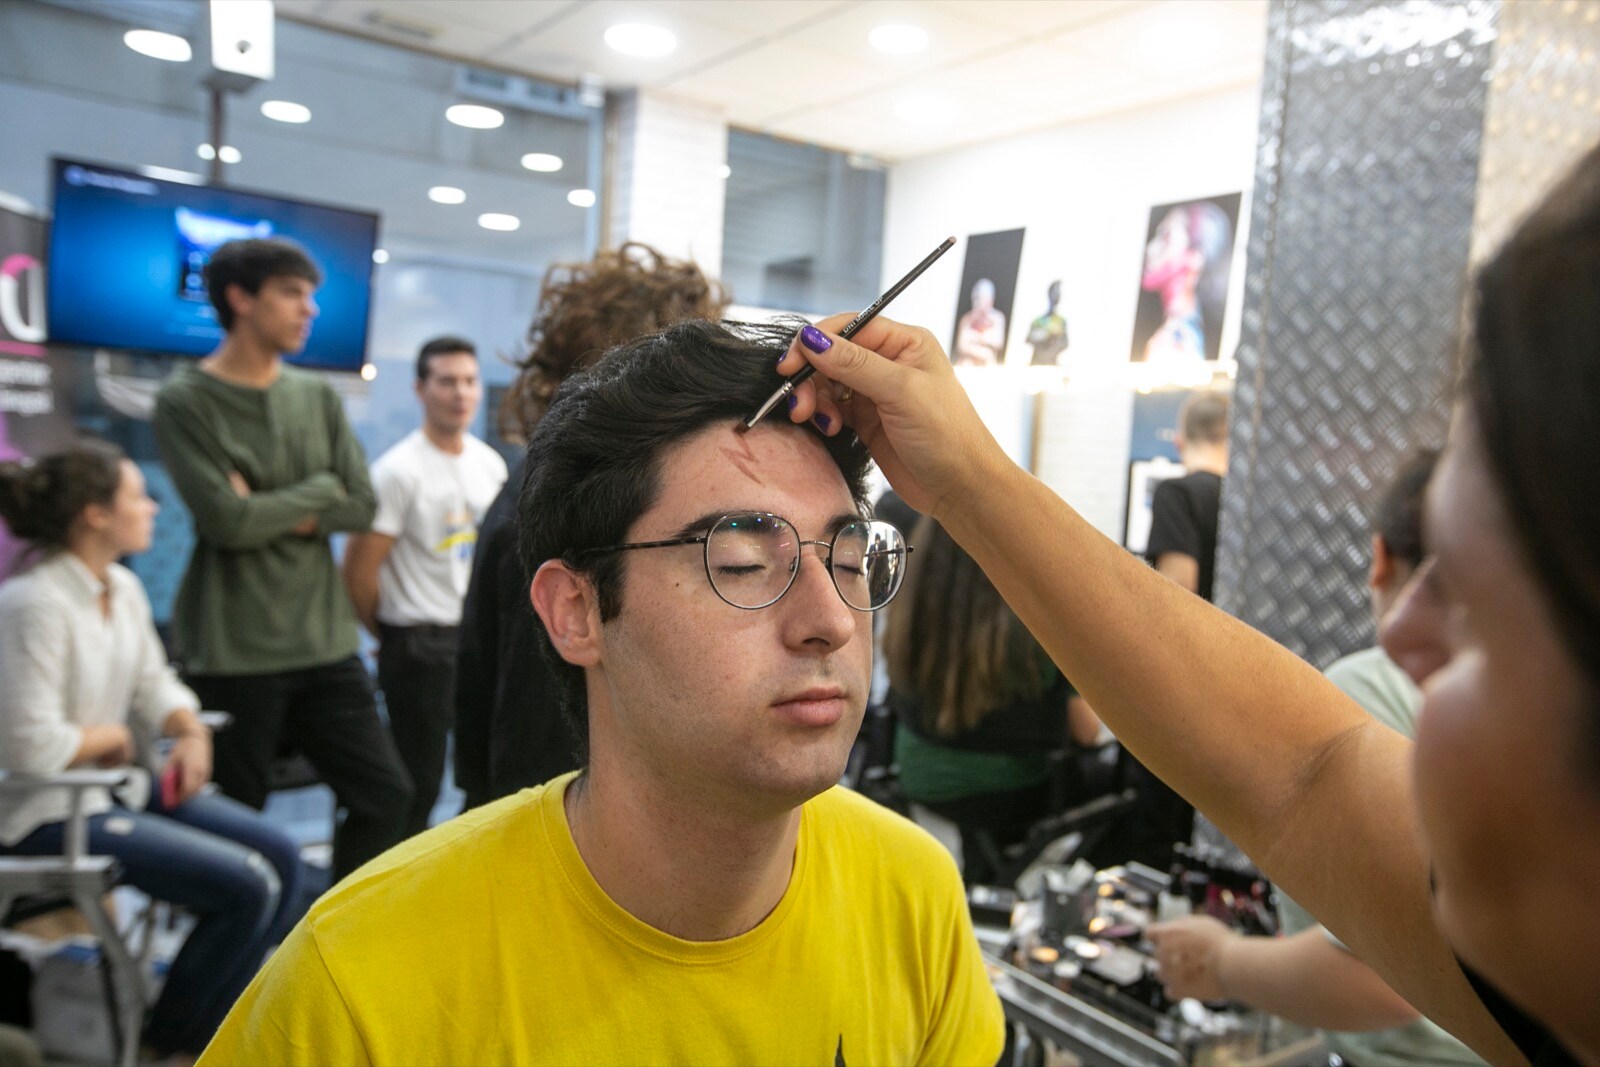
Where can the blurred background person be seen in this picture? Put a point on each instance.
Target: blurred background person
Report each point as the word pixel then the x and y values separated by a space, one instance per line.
pixel 981 332
pixel 1308 976
pixel 408 575
pixel 979 705
pixel 509 729
pixel 87 685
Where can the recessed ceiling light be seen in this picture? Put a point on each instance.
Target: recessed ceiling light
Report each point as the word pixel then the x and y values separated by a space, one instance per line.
pixel 380 256
pixel 158 45
pixel 285 111
pixel 898 39
pixel 229 154
pixel 543 162
pixel 641 39
pixel 495 221
pixel 205 151
pixel 581 198
pixel 447 194
pixel 1178 42
pixel 369 371
pixel 724 172
pixel 924 110
pixel 475 116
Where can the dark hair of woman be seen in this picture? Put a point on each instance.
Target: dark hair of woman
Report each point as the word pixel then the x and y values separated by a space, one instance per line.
pixel 953 643
pixel 586 309
pixel 1533 386
pixel 40 499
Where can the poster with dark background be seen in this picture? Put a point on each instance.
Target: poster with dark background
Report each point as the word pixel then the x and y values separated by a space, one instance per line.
pixel 983 306
pixel 1183 281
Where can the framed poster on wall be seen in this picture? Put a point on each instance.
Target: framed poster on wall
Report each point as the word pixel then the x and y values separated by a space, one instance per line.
pixel 1183 284
pixel 1143 477
pixel 983 307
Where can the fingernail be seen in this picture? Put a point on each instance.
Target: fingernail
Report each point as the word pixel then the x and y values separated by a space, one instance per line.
pixel 793 400
pixel 815 339
pixel 822 421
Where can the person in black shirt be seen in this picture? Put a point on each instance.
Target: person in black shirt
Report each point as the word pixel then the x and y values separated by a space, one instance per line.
pixel 1481 838
pixel 1183 512
pixel 510 733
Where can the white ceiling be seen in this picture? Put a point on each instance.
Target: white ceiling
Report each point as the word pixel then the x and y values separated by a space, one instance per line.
pixel 803 69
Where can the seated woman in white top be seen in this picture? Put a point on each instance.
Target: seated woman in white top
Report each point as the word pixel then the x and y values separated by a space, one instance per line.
pixel 87 684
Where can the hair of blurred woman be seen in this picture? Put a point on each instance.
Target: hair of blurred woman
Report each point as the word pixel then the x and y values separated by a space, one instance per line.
pixel 41 500
pixel 953 643
pixel 586 309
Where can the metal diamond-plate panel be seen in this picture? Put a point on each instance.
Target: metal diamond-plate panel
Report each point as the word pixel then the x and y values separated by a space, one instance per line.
pixel 1367 162
pixel 1544 109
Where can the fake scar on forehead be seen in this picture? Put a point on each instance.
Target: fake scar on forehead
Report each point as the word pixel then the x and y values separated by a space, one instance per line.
pixel 742 456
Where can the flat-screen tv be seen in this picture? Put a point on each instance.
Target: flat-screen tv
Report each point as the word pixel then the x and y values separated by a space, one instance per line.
pixel 127 252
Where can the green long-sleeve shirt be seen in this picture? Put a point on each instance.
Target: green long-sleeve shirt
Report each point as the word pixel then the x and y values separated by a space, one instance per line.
pixel 258 598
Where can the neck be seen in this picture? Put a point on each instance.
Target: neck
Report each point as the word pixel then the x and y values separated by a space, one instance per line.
pixel 680 863
pixel 97 557
pixel 1212 458
pixel 451 441
pixel 244 358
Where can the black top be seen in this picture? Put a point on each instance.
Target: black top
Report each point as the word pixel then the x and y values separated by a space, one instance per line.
pixel 1183 518
pixel 1531 1039
pixel 510 732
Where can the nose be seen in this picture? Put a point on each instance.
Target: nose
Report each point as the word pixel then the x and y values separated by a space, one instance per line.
pixel 1413 632
pixel 816 616
pixel 311 307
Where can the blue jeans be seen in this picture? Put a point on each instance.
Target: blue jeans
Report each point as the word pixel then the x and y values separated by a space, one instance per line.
pixel 239 875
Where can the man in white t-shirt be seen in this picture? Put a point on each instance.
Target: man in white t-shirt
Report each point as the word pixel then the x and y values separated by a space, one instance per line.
pixel 408 575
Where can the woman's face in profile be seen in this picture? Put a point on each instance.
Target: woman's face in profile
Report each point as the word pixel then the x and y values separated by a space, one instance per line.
pixel 1508 752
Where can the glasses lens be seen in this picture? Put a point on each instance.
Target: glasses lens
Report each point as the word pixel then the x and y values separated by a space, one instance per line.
pixel 869 562
pixel 751 558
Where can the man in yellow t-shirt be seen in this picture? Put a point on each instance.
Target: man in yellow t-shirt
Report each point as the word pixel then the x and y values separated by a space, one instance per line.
pixel 701 892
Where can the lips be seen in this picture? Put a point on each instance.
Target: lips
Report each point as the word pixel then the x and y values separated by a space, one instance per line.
pixel 818 706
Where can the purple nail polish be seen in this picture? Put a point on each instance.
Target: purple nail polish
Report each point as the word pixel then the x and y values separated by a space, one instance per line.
pixel 815 339
pixel 793 400
pixel 822 421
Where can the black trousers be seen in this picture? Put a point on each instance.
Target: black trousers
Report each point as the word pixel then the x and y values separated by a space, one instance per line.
pixel 329 714
pixel 417 672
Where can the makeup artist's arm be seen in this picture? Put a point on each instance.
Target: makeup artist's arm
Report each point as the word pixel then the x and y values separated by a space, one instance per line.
pixel 1287 766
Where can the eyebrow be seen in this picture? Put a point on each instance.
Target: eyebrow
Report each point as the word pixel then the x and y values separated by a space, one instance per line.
pixel 702 524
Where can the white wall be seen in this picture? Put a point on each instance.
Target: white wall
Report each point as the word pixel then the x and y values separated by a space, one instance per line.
pixel 1083 193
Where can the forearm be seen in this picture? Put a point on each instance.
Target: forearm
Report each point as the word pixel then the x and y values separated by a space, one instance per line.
pixel 363 591
pixel 184 722
pixel 231 521
pixel 95 743
pixel 1311 981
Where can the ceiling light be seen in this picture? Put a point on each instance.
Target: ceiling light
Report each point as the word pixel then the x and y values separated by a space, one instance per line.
pixel 898 39
pixel 724 172
pixel 475 116
pixel 923 110
pixel 641 39
pixel 1178 42
pixel 205 151
pixel 380 256
pixel 496 221
pixel 543 162
pixel 158 45
pixel 447 194
pixel 581 198
pixel 285 111
pixel 229 154
pixel 369 371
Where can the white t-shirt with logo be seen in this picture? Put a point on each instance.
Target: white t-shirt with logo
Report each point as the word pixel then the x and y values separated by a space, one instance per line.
pixel 431 502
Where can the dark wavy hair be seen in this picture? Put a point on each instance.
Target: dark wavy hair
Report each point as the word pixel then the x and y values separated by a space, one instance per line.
pixel 249 263
pixel 586 309
pixel 1532 382
pixel 594 464
pixel 40 499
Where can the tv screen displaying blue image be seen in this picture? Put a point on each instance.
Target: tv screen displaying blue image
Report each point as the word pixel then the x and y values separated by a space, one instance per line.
pixel 128 254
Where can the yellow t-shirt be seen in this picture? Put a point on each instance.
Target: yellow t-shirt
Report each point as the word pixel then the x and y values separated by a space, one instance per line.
pixel 486 941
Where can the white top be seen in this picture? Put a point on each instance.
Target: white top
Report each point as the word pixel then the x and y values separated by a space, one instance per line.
pixel 65 666
pixel 430 502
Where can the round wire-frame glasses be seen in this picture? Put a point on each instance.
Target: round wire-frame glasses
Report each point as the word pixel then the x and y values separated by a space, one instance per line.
pixel 753 557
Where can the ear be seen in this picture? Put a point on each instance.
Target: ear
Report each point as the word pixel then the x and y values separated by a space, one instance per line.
pixel 567 605
pixel 240 301
pixel 1382 572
